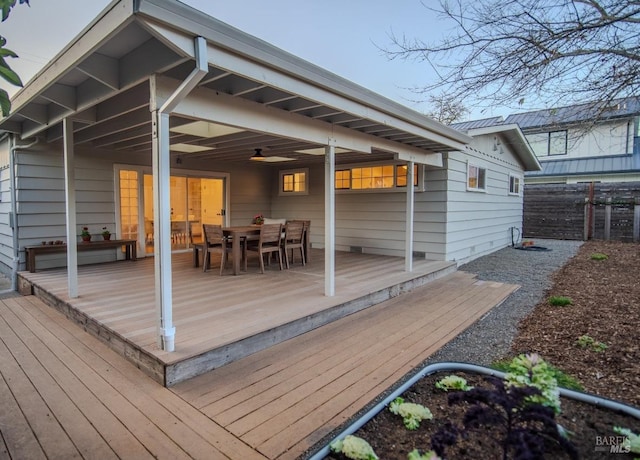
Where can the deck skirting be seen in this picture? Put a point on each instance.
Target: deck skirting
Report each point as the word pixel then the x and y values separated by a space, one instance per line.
pixel 365 290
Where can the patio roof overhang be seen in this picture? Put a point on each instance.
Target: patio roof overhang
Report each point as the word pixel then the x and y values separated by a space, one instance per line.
pixel 105 80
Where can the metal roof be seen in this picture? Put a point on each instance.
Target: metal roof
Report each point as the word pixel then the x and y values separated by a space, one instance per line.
pixel 592 165
pixel 473 124
pixel 620 108
pixel 101 80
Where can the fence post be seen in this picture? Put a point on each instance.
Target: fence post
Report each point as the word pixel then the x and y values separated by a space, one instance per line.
pixel 607 219
pixel 636 220
pixel 586 219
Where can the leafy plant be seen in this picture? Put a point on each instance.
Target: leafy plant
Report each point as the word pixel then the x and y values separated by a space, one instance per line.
pixel 560 300
pixel 586 341
pixel 633 440
pixel 531 370
pixel 5 71
pixel 599 256
pixel 522 427
pixel 453 382
pixel 85 231
pixel 564 380
pixel 412 414
pixel 429 455
pixel 353 447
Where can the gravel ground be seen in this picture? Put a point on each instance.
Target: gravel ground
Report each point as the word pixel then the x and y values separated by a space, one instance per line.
pixel 491 337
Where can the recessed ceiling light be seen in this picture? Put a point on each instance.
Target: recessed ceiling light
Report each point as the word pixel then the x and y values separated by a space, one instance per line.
pixel 189 148
pixel 205 129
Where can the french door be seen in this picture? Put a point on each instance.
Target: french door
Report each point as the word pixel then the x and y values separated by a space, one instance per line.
pixel 195 199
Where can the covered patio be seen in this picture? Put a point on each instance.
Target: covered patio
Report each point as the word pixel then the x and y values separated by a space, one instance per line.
pixel 221 318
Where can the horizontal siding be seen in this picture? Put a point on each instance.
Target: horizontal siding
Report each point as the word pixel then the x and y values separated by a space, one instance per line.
pixel 480 222
pixel 6 232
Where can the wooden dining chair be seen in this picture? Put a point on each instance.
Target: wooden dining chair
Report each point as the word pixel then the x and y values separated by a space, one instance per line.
pixel 267 244
pixel 293 239
pixel 214 242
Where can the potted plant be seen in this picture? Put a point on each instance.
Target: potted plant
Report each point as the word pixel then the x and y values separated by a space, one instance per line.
pixel 258 219
pixel 85 235
pixel 106 234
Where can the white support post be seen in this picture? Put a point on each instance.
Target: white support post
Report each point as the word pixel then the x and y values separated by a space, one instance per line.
pixel 70 208
pixel 161 166
pixel 329 221
pixel 408 251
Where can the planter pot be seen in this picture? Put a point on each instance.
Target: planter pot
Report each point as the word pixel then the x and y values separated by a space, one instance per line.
pixel 597 415
pixel 106 237
pixel 86 239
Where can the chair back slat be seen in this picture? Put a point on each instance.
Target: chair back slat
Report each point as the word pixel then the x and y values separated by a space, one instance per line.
pixel 294 230
pixel 270 233
pixel 212 234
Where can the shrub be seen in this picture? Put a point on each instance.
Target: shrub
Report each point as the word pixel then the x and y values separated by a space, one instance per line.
pixel 564 380
pixel 586 341
pixel 560 301
pixel 599 256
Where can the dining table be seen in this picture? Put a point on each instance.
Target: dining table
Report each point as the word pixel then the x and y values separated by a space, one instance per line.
pixel 237 234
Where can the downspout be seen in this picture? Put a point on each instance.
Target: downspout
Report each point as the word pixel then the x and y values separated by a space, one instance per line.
pixel 164 289
pixel 15 263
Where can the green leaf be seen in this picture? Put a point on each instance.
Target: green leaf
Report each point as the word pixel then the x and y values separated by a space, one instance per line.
pixel 5 103
pixel 8 74
pixel 7 53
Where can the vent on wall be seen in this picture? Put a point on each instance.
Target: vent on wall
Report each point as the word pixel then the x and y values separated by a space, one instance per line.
pixel 419 255
pixel 356 249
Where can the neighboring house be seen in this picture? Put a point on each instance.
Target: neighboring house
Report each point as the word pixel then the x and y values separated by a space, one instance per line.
pixel 575 145
pixel 146 124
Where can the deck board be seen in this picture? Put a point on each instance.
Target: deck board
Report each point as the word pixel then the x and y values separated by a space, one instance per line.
pixel 274 404
pixel 284 399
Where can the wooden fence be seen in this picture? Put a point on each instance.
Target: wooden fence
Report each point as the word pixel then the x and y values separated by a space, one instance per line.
pixel 582 211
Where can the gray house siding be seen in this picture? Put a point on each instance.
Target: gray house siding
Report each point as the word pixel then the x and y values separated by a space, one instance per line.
pixel 479 222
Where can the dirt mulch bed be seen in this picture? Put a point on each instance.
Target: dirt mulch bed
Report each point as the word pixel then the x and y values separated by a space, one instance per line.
pixel 605 306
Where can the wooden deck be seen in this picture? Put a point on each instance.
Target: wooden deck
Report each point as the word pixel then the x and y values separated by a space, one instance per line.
pixel 220 319
pixel 65 394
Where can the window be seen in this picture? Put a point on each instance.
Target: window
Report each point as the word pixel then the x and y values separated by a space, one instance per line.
pixel 514 185
pixel 548 144
pixel 476 178
pixel 294 182
pixel 343 179
pixel 375 177
pixel 401 175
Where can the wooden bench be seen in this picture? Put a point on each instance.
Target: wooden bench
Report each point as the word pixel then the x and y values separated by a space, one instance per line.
pixel 32 251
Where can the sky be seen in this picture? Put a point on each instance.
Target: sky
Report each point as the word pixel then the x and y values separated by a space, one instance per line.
pixel 342 36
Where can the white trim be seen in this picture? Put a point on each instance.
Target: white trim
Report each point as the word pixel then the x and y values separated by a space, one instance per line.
pixel 480 168
pixel 70 211
pixel 519 183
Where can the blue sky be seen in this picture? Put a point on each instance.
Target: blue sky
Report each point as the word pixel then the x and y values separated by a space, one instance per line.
pixel 342 36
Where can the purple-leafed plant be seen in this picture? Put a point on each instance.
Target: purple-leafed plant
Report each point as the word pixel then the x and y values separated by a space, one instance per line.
pixel 522 428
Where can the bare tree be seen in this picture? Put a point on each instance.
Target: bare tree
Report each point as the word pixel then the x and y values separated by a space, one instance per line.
pixel 445 109
pixel 521 53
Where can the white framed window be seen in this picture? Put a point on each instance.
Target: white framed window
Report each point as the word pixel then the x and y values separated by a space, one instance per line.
pixel 514 185
pixel 476 178
pixel 294 182
pixel 375 177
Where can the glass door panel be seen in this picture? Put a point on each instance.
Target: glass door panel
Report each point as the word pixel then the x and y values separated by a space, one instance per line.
pixel 194 201
pixel 128 205
pixel 148 214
